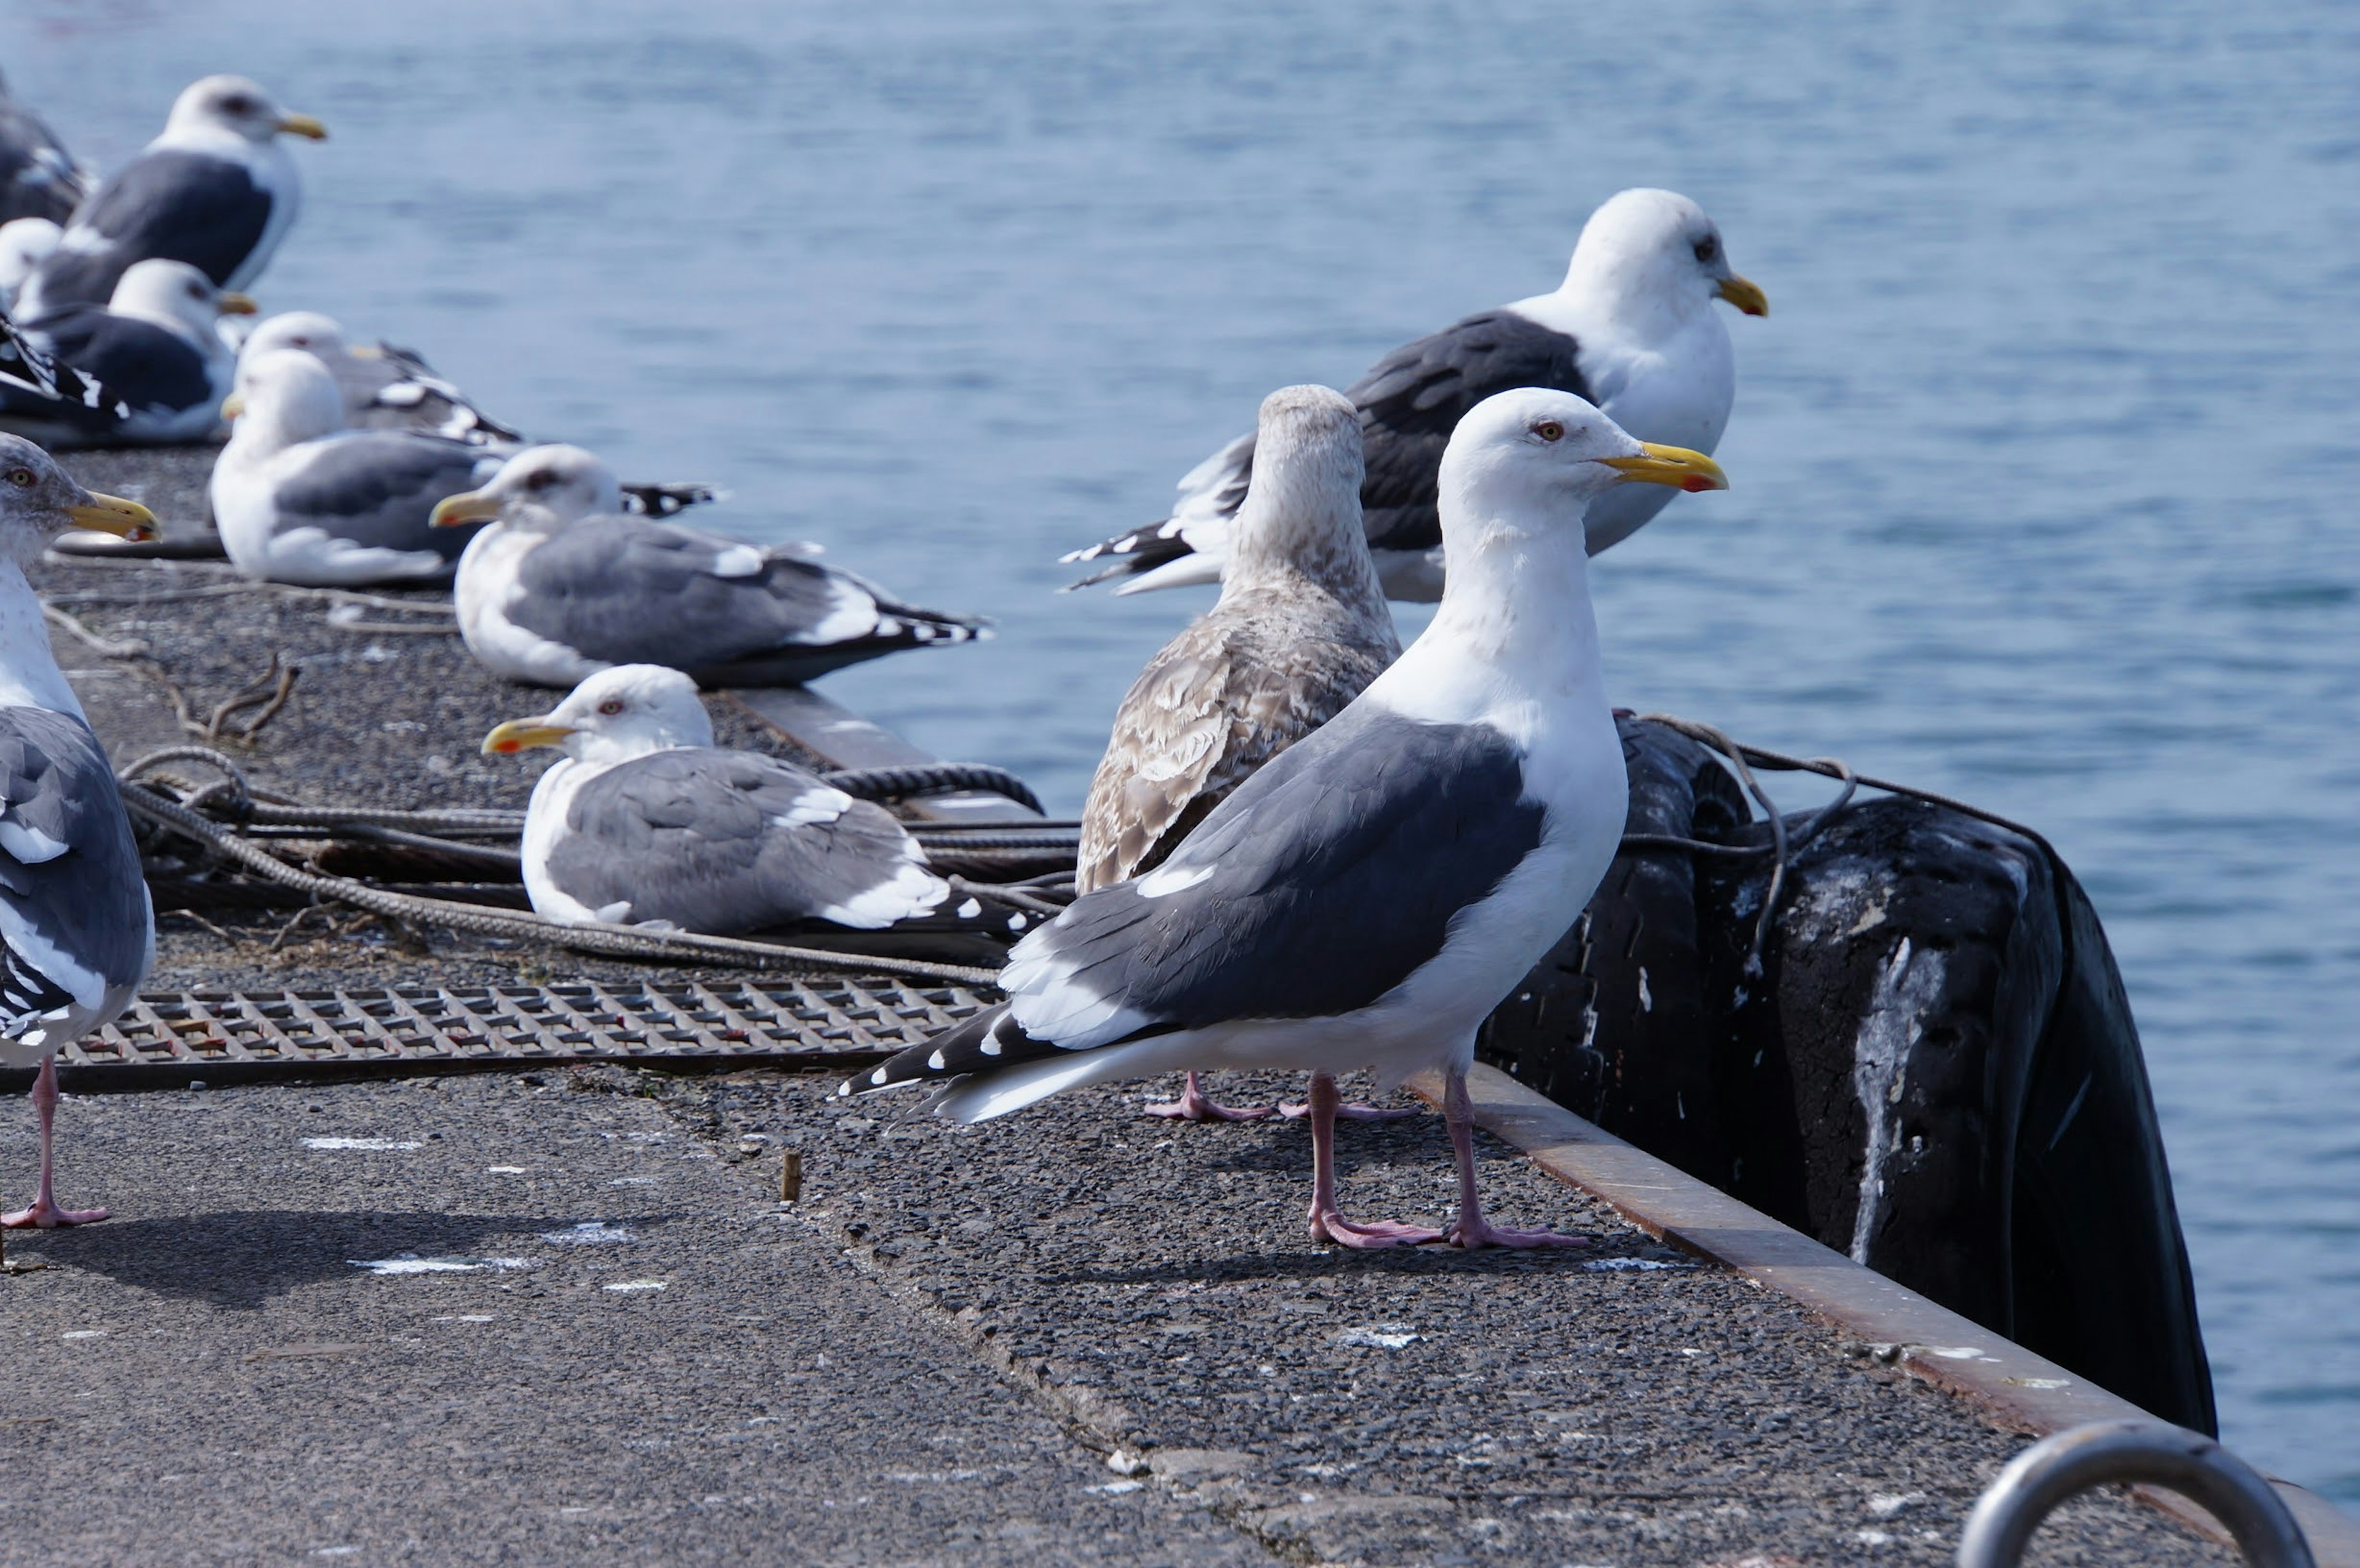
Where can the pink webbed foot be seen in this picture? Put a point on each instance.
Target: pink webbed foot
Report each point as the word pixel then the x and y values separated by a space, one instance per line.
pixel 1327 1225
pixel 1195 1106
pixel 1483 1233
pixel 45 1214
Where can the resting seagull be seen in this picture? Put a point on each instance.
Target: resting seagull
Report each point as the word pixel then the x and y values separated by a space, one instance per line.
pixel 1300 630
pixel 645 821
pixel 1372 893
pixel 299 499
pixel 562 585
pixel 216 189
pixel 77 934
pixel 39 179
pixel 155 346
pixel 385 387
pixel 1632 329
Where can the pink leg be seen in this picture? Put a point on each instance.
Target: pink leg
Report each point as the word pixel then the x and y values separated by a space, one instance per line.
pixel 1327 1223
pixel 1471 1229
pixel 1350 1112
pixel 1195 1106
pixel 45 1213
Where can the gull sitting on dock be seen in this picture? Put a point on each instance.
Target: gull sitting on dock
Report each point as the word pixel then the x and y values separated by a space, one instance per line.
pixel 1301 628
pixel 562 585
pixel 1368 896
pixel 155 345
pixel 1632 329
pixel 300 498
pixel 216 189
pixel 385 387
pixel 77 933
pixel 645 821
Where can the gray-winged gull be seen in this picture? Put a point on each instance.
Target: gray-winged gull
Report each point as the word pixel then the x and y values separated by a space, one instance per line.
pixel 645 821
pixel 299 499
pixel 385 387
pixel 1300 630
pixel 154 346
pixel 39 179
pixel 562 585
pixel 1368 896
pixel 77 934
pixel 215 189
pixel 1632 328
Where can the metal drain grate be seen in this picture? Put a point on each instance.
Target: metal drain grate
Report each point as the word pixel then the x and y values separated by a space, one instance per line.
pixel 225 1037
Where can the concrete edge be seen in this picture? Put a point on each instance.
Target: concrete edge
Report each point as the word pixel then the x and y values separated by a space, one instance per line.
pixel 2012 1387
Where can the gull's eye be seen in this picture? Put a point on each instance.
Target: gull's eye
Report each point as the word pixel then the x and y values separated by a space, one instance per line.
pixel 1706 248
pixel 22 478
pixel 611 706
pixel 1549 430
pixel 539 480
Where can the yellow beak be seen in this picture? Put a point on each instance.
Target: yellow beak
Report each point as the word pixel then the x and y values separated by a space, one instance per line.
pixel 1746 295
pixel 303 125
pixel 524 734
pixel 457 511
pixel 233 405
pixel 1673 465
pixel 114 515
pixel 234 303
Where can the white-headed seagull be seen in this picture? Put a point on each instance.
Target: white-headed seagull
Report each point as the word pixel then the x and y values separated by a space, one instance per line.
pixel 216 189
pixel 155 347
pixel 1632 329
pixel 645 821
pixel 564 584
pixel 77 933
pixel 1367 898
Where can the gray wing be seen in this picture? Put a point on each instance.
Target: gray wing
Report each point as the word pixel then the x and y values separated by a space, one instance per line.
pixel 721 842
pixel 1413 398
pixel 74 919
pixel 147 366
pixel 395 388
pixel 379 488
pixel 1231 692
pixel 1324 881
pixel 39 179
pixel 186 206
pixel 635 591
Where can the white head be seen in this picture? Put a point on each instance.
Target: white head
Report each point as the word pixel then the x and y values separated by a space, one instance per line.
pixel 307 331
pixel 1301 509
pixel 39 502
pixel 24 241
pixel 1527 463
pixel 174 294
pixel 233 103
pixel 541 486
pixel 283 399
pixel 1657 246
pixel 617 714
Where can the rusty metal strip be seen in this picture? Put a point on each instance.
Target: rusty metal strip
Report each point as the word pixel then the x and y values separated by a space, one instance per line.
pixel 2014 1388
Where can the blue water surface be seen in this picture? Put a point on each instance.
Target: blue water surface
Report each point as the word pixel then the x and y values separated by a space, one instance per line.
pixel 2044 468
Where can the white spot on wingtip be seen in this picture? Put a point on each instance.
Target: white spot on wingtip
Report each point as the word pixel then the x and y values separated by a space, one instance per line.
pixel 877 1077
pixel 935 1063
pixel 971 909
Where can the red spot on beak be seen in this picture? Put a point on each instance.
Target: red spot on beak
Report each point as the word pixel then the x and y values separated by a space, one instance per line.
pixel 505 748
pixel 1696 484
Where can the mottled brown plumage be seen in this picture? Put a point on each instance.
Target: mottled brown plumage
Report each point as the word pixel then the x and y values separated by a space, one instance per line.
pixel 1300 628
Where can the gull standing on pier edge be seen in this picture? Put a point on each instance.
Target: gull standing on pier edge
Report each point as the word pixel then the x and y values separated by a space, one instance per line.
pixel 77 933
pixel 1369 896
pixel 216 189
pixel 1300 630
pixel 1632 329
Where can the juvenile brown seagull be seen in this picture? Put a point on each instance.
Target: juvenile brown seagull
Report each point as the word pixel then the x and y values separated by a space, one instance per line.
pixel 1301 628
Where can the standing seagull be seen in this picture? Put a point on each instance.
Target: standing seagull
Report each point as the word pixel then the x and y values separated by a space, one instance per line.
pixel 562 585
pixel 156 345
pixel 1632 329
pixel 216 189
pixel 299 499
pixel 1367 897
pixel 1301 628
pixel 39 179
pixel 77 933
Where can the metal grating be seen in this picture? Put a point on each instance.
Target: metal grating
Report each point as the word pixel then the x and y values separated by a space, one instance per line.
pixel 172 1038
